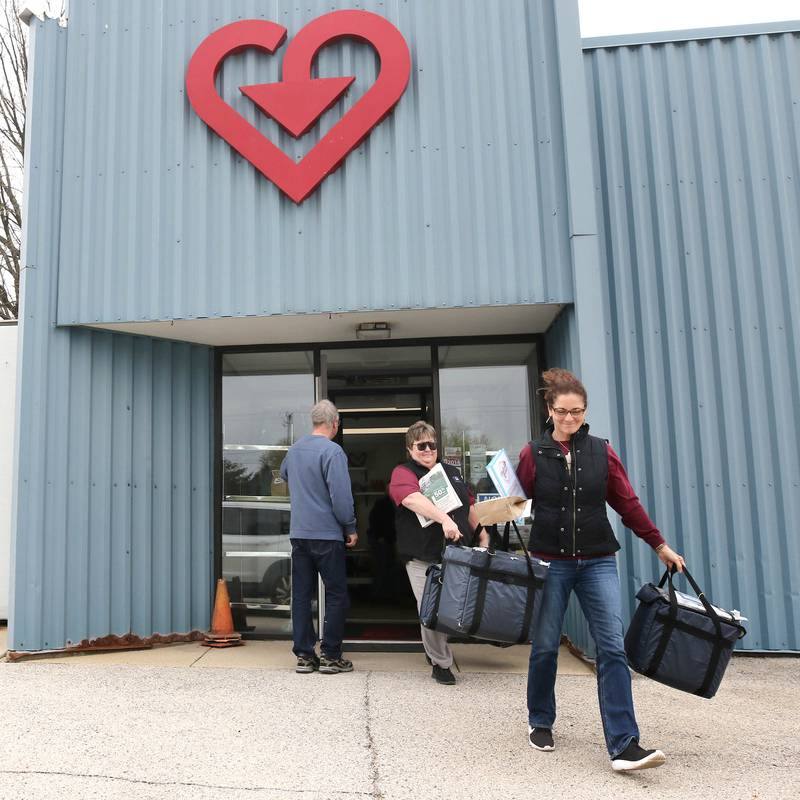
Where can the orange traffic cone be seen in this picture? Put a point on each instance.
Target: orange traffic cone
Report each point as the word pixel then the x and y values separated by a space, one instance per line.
pixel 222 633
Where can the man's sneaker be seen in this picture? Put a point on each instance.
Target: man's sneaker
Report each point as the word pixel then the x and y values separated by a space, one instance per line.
pixel 541 739
pixel 307 663
pixel 330 666
pixel 635 757
pixel 443 675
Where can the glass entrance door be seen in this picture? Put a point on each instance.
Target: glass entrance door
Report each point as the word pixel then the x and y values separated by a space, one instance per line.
pixel 266 398
pixel 486 396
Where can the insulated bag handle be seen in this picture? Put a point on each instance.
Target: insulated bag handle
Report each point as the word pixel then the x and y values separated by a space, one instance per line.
pixel 673 599
pixel 528 561
pixel 524 550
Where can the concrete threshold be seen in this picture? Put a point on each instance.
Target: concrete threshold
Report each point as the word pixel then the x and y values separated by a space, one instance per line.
pixel 277 655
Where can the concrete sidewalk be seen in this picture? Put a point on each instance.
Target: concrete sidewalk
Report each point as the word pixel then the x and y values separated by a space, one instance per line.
pixel 88 728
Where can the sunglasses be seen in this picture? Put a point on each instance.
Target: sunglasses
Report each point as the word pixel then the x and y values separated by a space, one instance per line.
pixel 421 446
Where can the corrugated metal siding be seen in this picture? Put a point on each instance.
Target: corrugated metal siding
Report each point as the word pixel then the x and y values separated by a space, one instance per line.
pixel 457 199
pixel 561 342
pixel 113 498
pixel 698 151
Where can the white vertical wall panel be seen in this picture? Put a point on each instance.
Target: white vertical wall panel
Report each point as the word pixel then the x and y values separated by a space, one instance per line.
pixel 8 383
pixel 698 157
pixel 457 199
pixel 112 510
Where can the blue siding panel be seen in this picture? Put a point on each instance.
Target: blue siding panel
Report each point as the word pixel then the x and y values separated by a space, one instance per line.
pixel 96 411
pixel 142 494
pixel 561 342
pixel 457 199
pixel 698 156
pixel 102 573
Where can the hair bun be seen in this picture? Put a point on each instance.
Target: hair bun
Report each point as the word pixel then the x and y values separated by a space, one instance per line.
pixel 558 381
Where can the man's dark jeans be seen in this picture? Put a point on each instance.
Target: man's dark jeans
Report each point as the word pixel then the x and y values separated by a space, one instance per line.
pixel 312 557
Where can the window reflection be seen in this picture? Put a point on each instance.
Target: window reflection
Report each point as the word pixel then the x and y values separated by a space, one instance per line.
pixel 484 409
pixel 266 398
pixel 262 417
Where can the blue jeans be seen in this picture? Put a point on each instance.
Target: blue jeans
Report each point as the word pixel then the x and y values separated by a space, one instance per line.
pixel 596 583
pixel 312 557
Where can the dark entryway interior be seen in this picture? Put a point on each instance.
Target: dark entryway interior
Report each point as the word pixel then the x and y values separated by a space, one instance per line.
pixel 377 401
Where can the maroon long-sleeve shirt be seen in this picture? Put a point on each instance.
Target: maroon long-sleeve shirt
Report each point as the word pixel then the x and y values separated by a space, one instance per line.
pixel 619 495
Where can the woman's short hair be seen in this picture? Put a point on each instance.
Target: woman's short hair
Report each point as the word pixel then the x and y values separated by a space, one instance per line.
pixel 561 381
pixel 324 413
pixel 419 430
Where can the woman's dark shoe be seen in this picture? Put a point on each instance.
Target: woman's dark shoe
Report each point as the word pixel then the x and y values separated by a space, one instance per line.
pixel 635 757
pixel 443 675
pixel 541 739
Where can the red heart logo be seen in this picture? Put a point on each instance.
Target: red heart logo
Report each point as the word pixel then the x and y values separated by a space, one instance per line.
pixel 299 100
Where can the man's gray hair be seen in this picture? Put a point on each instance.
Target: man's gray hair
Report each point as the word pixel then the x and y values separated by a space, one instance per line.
pixel 324 413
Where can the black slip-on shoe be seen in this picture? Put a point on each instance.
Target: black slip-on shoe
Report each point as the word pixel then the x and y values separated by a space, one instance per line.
pixel 634 757
pixel 443 675
pixel 541 739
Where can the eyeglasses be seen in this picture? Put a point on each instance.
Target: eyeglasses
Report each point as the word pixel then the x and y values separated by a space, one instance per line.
pixel 421 446
pixel 573 412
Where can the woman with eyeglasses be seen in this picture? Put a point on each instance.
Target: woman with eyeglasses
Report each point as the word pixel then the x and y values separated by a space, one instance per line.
pixel 420 547
pixel 570 476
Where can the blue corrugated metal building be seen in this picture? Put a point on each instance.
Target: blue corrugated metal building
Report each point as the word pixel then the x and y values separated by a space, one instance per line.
pixel 626 208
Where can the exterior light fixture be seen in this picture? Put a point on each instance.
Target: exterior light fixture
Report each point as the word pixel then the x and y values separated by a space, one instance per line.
pixel 373 330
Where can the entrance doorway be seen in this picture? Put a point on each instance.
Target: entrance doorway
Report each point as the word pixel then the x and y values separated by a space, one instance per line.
pixel 379 392
pixel 478 393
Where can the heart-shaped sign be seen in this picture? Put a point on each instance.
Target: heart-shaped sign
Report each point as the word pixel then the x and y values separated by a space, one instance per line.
pixel 299 100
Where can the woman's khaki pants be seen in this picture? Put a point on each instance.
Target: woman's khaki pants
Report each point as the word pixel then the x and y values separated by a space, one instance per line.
pixel 435 643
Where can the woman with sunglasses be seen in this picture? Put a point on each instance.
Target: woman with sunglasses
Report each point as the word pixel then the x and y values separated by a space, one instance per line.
pixel 420 547
pixel 571 476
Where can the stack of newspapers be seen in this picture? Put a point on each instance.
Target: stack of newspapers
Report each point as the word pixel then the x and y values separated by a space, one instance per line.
pixel 436 486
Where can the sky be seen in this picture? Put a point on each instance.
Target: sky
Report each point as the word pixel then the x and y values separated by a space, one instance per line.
pixel 613 17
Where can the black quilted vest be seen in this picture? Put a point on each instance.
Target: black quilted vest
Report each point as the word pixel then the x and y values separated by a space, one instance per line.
pixel 426 544
pixel 570 507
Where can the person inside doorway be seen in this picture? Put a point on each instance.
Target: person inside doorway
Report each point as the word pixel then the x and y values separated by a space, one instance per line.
pixel 323 523
pixel 420 547
pixel 571 476
pixel 382 540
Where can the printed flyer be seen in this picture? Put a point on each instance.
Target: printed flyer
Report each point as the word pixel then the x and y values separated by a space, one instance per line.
pixel 503 475
pixel 436 486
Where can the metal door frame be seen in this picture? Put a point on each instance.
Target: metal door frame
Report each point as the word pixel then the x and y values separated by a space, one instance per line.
pixel 320 391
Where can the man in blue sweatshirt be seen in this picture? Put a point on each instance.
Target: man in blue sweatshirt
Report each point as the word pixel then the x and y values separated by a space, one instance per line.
pixel 323 523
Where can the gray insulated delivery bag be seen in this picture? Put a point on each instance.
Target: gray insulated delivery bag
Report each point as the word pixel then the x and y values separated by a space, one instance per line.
pixel 483 594
pixel 681 641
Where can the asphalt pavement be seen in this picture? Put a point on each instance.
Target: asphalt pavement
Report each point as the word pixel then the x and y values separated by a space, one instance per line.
pixel 92 729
